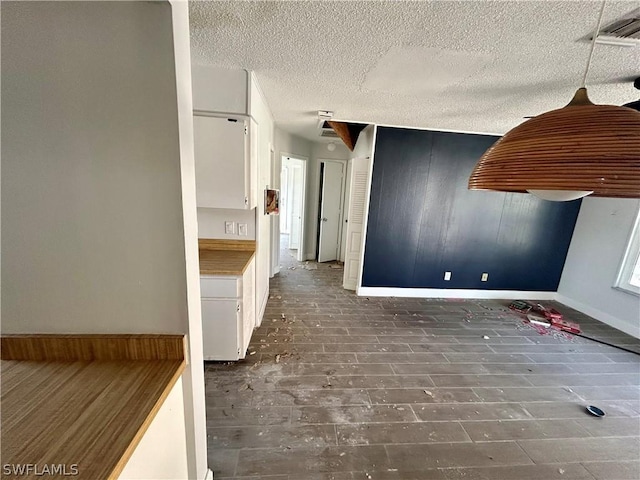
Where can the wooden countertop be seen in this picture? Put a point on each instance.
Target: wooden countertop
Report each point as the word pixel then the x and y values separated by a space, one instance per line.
pixel 89 413
pixel 225 257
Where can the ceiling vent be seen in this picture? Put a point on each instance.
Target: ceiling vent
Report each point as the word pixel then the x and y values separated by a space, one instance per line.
pixel 326 131
pixel 623 32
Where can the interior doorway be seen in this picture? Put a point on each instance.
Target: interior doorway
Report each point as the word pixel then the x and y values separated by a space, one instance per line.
pixel 293 176
pixel 331 210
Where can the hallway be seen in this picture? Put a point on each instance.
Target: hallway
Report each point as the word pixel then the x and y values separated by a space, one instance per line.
pixel 341 387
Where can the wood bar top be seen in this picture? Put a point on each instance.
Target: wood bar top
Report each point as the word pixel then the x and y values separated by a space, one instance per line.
pixel 70 347
pixel 91 414
pixel 225 257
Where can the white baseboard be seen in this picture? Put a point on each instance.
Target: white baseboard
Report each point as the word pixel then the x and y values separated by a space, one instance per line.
pixel 615 322
pixel 209 475
pixel 453 293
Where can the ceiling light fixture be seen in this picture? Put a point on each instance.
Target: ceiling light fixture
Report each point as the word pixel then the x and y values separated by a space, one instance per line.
pixel 568 153
pixel 331 146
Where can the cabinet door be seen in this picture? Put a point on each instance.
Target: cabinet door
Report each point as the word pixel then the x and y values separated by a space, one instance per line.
pixel 220 150
pixel 221 329
pixel 248 304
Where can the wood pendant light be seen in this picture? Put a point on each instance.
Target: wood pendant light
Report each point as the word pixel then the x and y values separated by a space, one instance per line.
pixel 581 147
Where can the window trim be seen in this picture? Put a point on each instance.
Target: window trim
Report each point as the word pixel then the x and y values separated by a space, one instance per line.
pixel 629 260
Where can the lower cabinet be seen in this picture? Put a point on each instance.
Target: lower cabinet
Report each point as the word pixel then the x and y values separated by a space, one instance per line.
pixel 228 314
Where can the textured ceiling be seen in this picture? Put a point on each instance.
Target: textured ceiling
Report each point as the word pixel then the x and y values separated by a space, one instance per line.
pixel 476 66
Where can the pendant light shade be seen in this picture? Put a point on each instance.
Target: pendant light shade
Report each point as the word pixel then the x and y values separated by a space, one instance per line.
pixel 573 151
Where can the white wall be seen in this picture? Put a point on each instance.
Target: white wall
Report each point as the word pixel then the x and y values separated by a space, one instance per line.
pixel 259 110
pixel 91 189
pixel 319 152
pixel 599 242
pixel 211 223
pixel 193 376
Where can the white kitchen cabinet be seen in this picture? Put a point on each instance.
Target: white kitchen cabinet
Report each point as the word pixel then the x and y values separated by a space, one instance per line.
pixel 228 314
pixel 225 150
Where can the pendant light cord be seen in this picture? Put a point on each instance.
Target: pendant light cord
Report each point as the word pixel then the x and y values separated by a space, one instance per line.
pixel 593 44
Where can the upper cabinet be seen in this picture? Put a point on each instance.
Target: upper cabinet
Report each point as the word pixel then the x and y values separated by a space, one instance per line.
pixel 225 138
pixel 222 90
pixel 225 160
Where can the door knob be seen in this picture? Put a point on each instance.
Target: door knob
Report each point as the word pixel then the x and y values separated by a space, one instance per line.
pixel 324 219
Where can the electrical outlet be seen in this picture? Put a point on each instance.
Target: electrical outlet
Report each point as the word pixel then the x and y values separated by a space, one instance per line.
pixel 229 228
pixel 447 276
pixel 484 277
pixel 242 229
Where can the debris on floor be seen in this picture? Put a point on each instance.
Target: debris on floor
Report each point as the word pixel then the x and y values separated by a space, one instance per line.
pixel 520 306
pixel 595 411
pixel 310 266
pixel 544 318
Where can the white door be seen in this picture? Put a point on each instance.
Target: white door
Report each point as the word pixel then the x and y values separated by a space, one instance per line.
pixel 358 184
pixel 295 187
pixel 330 208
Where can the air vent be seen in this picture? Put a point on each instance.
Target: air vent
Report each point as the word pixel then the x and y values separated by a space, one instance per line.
pixel 328 134
pixel 325 129
pixel 625 31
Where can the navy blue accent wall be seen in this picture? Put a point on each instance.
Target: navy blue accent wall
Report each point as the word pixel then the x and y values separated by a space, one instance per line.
pixel 424 221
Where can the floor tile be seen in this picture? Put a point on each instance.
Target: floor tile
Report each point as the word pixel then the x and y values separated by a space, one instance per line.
pixel 456 455
pixel 497 430
pixel 569 471
pixel 301 462
pixel 581 449
pixel 413 433
pixel 614 470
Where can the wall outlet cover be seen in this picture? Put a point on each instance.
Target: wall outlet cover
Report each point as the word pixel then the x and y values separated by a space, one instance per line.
pixel 447 276
pixel 242 229
pixel 485 277
pixel 229 228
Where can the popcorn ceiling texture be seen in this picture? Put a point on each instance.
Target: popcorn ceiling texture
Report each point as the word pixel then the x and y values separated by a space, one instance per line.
pixel 477 66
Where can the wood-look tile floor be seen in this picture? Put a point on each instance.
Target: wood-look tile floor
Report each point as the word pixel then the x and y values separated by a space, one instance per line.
pixel 343 387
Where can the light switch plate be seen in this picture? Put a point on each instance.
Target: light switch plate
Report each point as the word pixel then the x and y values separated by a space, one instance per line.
pixel 242 229
pixel 229 228
pixel 447 276
pixel 485 277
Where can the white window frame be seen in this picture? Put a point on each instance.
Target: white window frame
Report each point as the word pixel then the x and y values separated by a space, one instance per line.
pixel 630 262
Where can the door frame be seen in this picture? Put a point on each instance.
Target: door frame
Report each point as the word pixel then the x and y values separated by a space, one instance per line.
pixel 319 201
pixel 304 161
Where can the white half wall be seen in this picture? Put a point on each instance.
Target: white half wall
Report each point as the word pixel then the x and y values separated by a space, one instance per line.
pixel 162 451
pixel 599 242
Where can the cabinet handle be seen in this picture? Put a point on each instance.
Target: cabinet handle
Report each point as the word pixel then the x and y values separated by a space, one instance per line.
pixel 238 308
